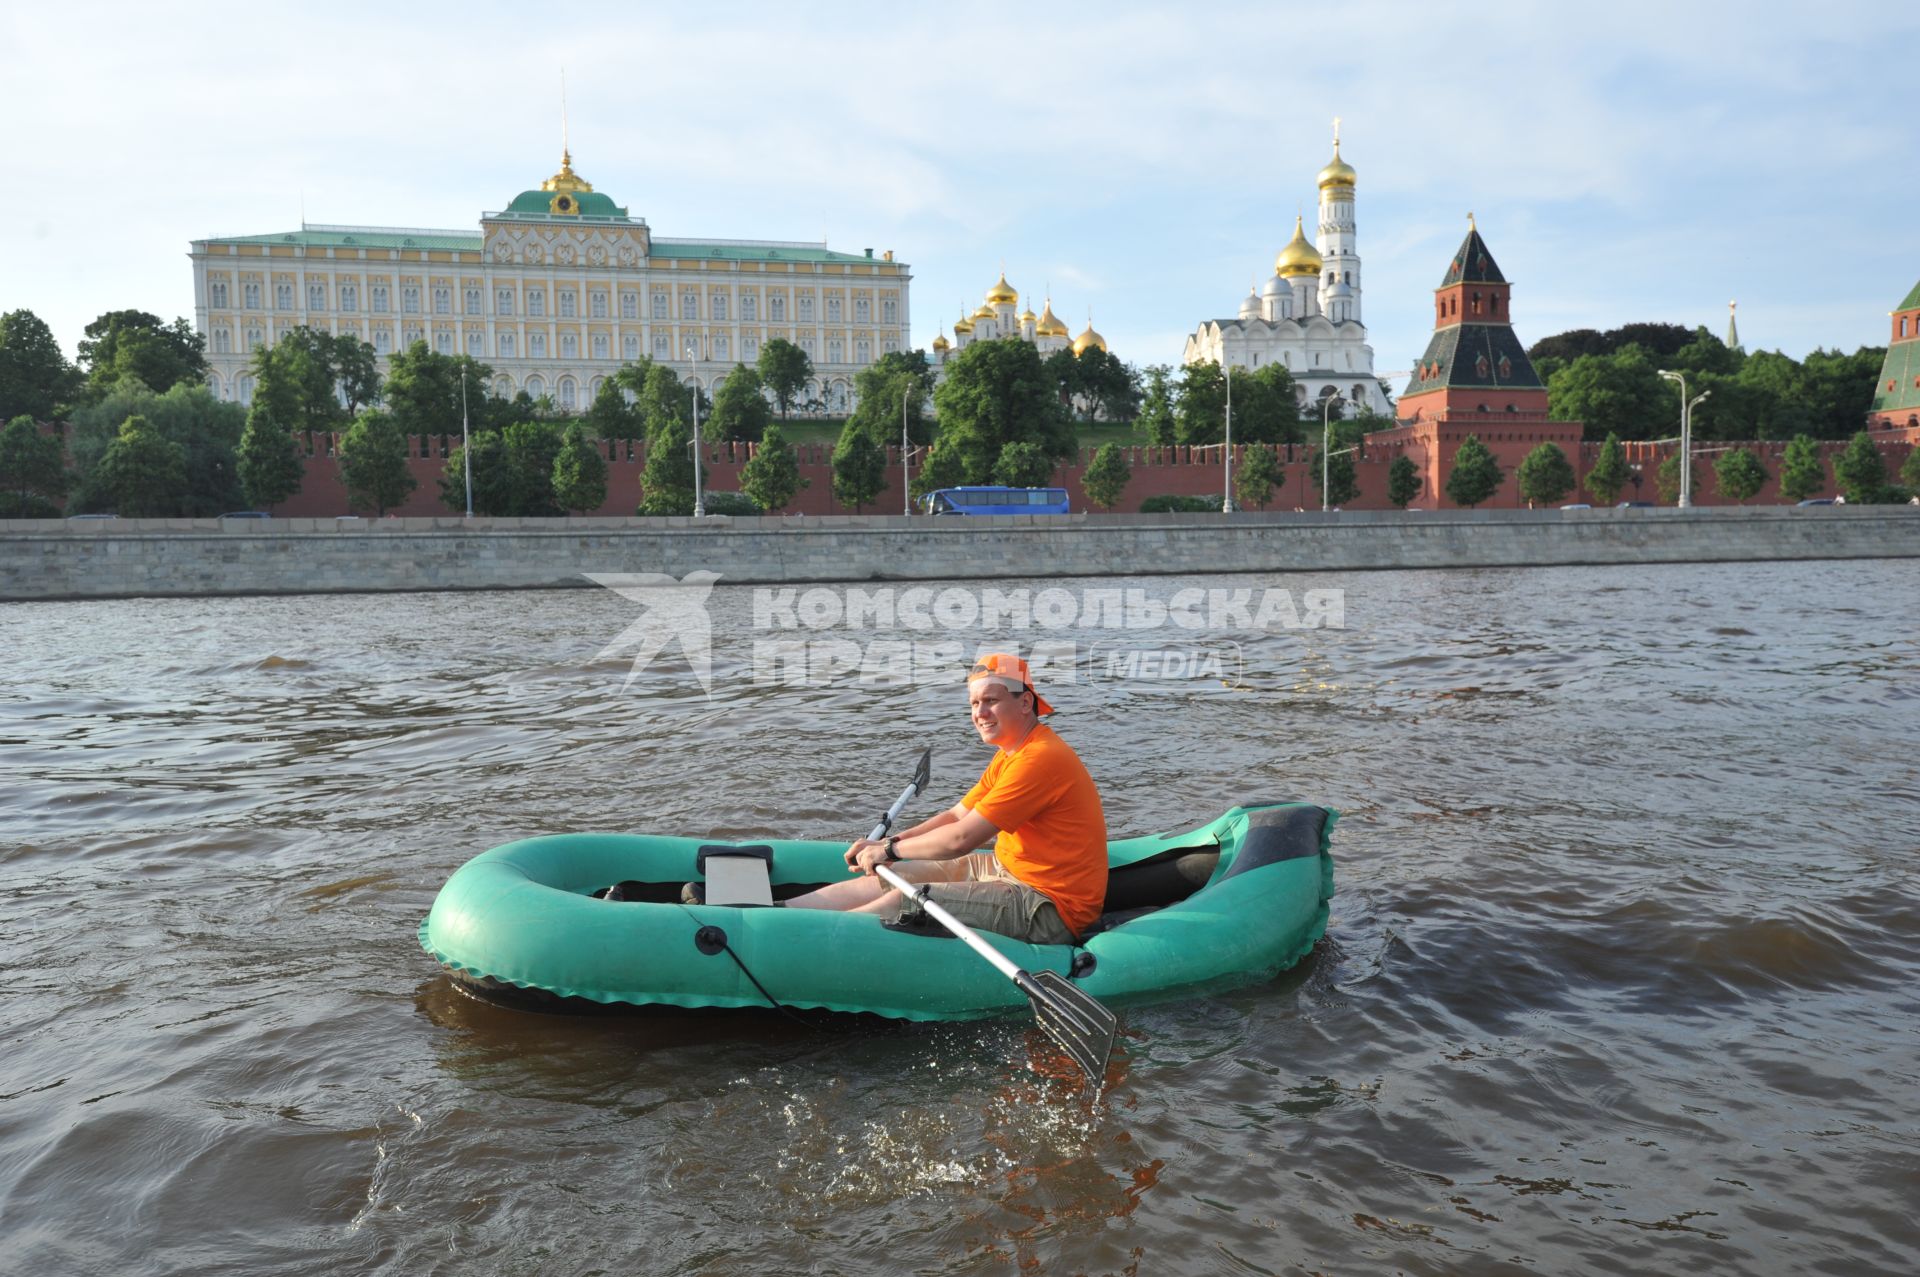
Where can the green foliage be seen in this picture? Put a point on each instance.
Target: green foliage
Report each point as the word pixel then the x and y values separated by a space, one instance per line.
pixel 1801 474
pixel 666 485
pixel 1705 354
pixel 1095 385
pixel 1341 482
pixel 295 378
pixel 579 472
pixel 1156 406
pixel 611 416
pixel 1475 476
pixel 1666 480
pixel 490 496
pixel 1266 406
pixel 736 504
pixel 1610 471
pixel 424 392
pixel 35 378
pixel 1169 504
pixel 771 476
pixel 373 462
pixel 1403 481
pixel 531 448
pixel 1545 475
pixel 859 469
pixel 269 461
pixel 143 472
pixel 1620 394
pixel 132 343
pixel 897 382
pixel 1739 474
pixel 1108 474
pixel 1910 468
pixel 997 393
pixel 1259 471
pixel 785 370
pixel 740 410
pixel 1660 341
pixel 33 469
pixel 1860 470
pixel 356 371
pixel 1200 410
pixel 1023 465
pixel 189 415
pixel 942 469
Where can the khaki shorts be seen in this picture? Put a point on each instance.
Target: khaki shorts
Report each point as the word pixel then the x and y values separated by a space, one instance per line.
pixel 977 889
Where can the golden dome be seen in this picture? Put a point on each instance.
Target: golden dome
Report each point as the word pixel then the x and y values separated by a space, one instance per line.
pixel 985 312
pixel 1337 172
pixel 1049 324
pixel 940 342
pixel 566 179
pixel 1002 292
pixel 1027 316
pixel 1298 257
pixel 962 325
pixel 1087 339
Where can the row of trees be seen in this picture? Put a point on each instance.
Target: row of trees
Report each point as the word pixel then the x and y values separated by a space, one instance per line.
pixel 1611 382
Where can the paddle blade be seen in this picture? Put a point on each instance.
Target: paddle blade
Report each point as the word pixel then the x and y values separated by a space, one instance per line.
pixel 1079 1025
pixel 924 771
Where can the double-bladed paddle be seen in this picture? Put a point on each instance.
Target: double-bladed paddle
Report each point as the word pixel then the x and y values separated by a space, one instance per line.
pixel 1074 1020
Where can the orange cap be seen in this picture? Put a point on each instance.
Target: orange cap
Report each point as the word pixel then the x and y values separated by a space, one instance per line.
pixel 1011 672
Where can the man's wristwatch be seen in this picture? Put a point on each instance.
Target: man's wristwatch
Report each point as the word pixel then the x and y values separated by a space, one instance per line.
pixel 893 847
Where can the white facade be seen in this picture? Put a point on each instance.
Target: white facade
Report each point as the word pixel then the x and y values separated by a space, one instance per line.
pixel 555 293
pixel 1307 315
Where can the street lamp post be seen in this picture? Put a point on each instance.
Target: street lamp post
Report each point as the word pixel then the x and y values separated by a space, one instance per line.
pixel 1326 448
pixel 1686 434
pixel 699 489
pixel 1226 496
pixel 466 447
pixel 906 498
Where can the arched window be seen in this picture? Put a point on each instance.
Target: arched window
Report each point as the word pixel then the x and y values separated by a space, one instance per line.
pixel 569 393
pixel 503 387
pixel 536 386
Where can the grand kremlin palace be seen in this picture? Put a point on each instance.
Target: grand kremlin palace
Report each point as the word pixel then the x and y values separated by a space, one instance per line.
pixel 555 294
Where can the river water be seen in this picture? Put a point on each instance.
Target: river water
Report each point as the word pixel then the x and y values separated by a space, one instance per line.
pixel 1619 977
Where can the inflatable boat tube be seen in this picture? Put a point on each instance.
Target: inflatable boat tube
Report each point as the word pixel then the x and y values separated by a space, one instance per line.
pixel 533 924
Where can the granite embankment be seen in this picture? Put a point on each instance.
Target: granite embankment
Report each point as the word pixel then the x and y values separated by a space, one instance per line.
pixel 121 558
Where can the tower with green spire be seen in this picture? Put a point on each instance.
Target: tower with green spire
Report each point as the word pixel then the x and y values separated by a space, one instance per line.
pixel 1896 396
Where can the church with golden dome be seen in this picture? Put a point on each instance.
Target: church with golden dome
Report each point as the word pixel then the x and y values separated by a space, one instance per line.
pixel 1001 317
pixel 1307 314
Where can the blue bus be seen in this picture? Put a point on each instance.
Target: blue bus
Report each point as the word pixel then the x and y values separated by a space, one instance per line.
pixel 986 500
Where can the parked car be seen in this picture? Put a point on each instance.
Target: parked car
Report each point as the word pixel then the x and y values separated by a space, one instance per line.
pixel 75 518
pixel 1578 505
pixel 247 514
pixel 1818 501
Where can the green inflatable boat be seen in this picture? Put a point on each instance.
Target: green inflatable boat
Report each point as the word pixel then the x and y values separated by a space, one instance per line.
pixel 580 922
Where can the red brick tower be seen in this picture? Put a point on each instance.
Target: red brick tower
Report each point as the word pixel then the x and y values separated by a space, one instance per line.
pixel 1475 368
pixel 1896 397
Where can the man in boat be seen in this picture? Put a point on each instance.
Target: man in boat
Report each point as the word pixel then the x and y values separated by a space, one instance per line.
pixel 1046 878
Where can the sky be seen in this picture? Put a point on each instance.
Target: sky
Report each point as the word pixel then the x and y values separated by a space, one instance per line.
pixel 1143 164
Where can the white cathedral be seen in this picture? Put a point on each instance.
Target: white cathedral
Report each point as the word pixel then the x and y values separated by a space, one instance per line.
pixel 1307 317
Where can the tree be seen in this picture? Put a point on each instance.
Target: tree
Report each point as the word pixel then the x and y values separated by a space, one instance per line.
pixel 269 461
pixel 1910 469
pixel 35 378
pixel 895 383
pixel 1156 406
pixel 1860 470
pixel 1094 384
pixel 997 393
pixel 1475 475
pixel 1201 404
pixel 123 343
pixel 1620 394
pixel 424 391
pixel 1739 474
pixel 144 472
pixel 611 416
pixel 1666 480
pixel 1609 473
pixel 1108 474
pixel 771 476
pixel 1342 483
pixel 785 369
pixel 740 409
pixel 1801 474
pixel 579 472
pixel 1259 471
pixel 531 449
pixel 208 429
pixel 1266 406
pixel 297 378
pixel 1545 476
pixel 33 470
pixel 666 485
pixel 491 490
pixel 373 462
pixel 1023 465
pixel 1837 389
pixel 859 469
pixel 356 372
pixel 1403 481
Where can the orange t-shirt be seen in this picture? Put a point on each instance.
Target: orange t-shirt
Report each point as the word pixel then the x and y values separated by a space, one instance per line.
pixel 1053 835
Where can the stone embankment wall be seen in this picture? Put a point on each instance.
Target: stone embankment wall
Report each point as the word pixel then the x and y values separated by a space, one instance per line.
pixel 113 558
